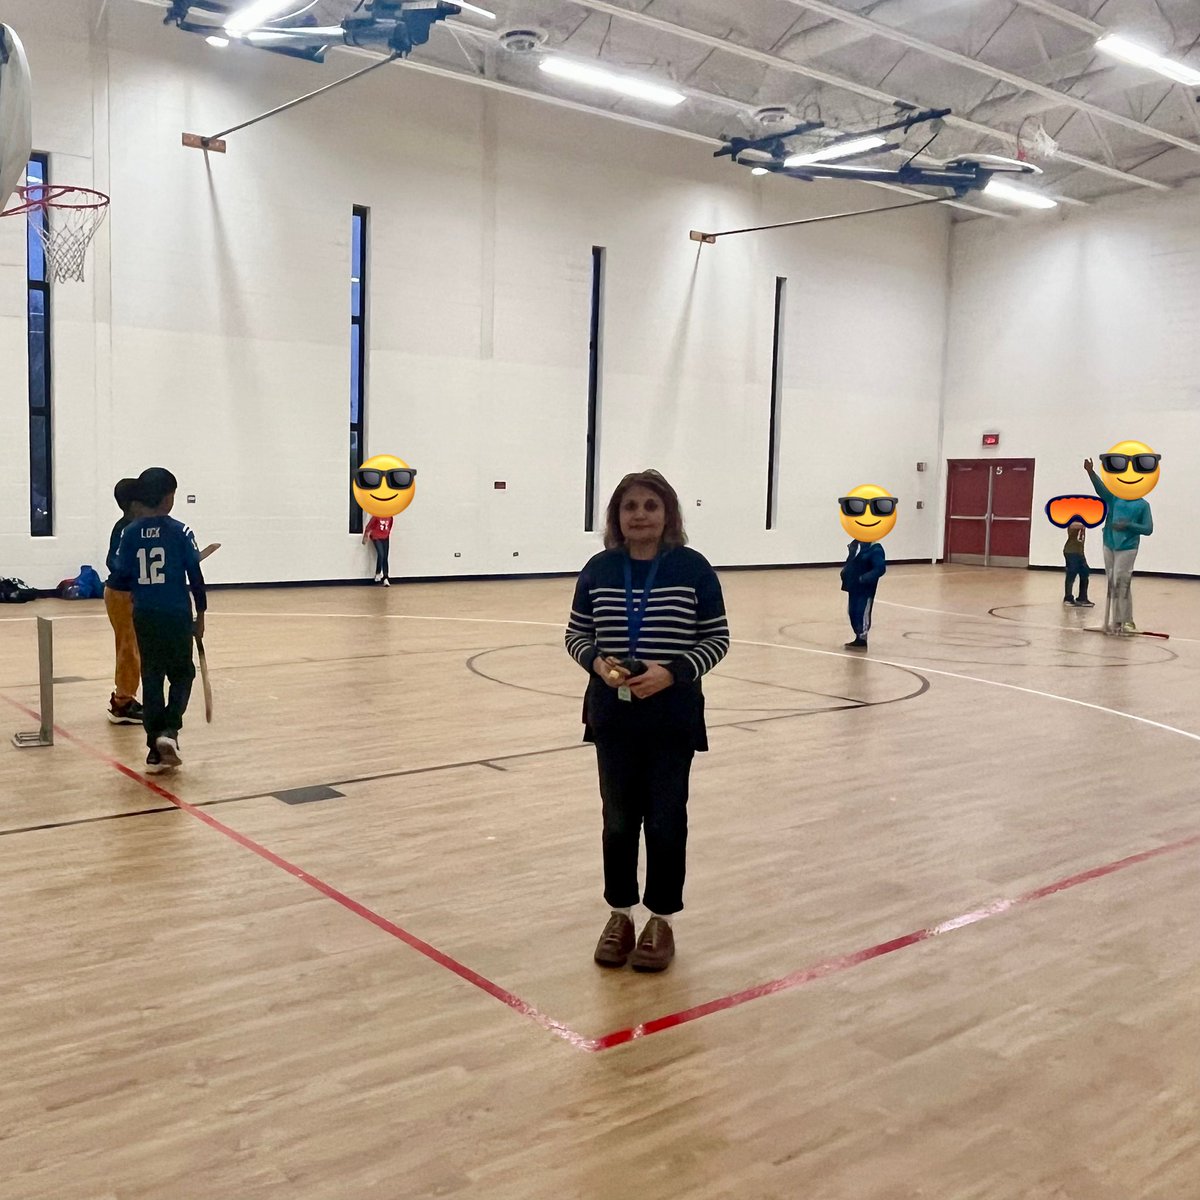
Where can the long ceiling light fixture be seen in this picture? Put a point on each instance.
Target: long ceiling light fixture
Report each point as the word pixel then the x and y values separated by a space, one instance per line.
pixel 578 72
pixel 836 150
pixel 253 15
pixel 1142 56
pixel 1025 197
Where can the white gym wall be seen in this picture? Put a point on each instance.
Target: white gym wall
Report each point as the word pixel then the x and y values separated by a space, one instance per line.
pixel 1071 332
pixel 227 356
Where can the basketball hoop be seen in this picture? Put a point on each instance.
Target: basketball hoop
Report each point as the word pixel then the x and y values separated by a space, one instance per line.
pixel 1034 144
pixel 66 219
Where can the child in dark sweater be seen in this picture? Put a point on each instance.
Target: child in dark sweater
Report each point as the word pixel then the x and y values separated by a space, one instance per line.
pixel 1077 566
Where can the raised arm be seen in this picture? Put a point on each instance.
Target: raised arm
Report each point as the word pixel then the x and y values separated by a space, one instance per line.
pixel 1098 483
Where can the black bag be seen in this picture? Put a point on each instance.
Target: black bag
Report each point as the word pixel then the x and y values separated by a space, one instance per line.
pixel 15 591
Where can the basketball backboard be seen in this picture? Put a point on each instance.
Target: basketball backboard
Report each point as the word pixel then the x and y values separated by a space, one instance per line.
pixel 16 113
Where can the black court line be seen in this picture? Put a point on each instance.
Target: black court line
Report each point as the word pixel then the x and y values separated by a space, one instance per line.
pixel 217 668
pixel 141 812
pixel 1168 655
pixel 492 761
pixel 1103 661
pixel 851 702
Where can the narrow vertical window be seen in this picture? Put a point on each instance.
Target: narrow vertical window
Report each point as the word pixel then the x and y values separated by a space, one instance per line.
pixel 41 445
pixel 358 353
pixel 776 386
pixel 594 350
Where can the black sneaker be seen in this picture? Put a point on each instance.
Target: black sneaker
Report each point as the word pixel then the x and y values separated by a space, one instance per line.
pixel 167 745
pixel 129 713
pixel 1068 600
pixel 857 644
pixel 154 763
pixel 1084 604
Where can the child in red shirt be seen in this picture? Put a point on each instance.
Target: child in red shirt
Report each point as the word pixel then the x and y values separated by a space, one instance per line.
pixel 379 530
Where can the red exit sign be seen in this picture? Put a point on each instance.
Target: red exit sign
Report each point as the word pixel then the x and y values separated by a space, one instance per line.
pixel 991 439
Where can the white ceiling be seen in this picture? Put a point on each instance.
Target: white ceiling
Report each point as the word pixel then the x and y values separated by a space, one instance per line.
pixel 996 63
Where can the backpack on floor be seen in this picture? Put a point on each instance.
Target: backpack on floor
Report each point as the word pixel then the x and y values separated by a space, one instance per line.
pixel 15 591
pixel 91 586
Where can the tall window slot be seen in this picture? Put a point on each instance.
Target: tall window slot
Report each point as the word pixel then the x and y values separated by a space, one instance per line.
pixel 358 353
pixel 41 445
pixel 594 350
pixel 776 387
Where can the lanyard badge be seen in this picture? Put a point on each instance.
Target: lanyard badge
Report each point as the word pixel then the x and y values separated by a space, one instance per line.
pixel 635 613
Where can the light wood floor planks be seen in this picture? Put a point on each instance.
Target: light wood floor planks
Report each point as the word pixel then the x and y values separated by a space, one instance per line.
pixel 182 1018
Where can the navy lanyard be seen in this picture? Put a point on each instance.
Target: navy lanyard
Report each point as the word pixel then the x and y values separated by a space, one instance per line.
pixel 634 614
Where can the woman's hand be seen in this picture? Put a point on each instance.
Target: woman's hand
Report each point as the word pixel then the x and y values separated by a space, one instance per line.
pixel 656 678
pixel 1120 524
pixel 610 671
pixel 1087 465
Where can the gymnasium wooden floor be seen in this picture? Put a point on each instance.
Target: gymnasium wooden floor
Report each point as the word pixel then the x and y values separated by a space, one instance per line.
pixel 941 938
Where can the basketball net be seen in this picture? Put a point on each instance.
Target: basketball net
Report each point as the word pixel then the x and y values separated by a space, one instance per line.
pixel 66 220
pixel 1034 144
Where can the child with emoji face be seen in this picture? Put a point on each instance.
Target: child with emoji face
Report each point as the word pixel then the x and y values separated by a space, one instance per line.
pixel 384 487
pixel 868 515
pixel 1129 473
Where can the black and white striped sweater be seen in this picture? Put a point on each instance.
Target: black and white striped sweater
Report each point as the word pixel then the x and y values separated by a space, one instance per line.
pixel 684 629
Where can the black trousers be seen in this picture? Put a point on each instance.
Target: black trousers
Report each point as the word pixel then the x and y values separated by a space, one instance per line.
pixel 381 557
pixel 860 606
pixel 165 644
pixel 644 784
pixel 1077 568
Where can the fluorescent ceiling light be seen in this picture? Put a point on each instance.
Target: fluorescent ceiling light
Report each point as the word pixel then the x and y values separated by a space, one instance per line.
pixel 215 40
pixel 312 34
pixel 253 15
pixel 483 12
pixel 835 150
pixel 577 72
pixel 1143 56
pixel 759 171
pixel 1018 195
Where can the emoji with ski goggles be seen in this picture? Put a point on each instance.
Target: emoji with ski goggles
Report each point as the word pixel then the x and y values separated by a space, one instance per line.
pixel 384 486
pixel 1064 511
pixel 868 513
pixel 1130 470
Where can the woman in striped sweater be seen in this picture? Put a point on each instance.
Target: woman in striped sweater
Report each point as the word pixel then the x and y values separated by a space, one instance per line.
pixel 647 621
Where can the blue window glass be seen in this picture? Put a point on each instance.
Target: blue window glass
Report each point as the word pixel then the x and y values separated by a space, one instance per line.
pixel 41 424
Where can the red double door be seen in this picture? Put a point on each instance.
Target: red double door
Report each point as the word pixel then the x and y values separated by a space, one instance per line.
pixel 989 511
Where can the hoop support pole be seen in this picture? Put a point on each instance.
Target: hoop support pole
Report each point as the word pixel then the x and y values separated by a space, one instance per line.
pixel 43 736
pixel 697 235
pixel 216 142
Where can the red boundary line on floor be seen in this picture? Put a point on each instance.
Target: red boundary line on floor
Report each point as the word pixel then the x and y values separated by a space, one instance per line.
pixel 380 922
pixel 620 1037
pixel 844 962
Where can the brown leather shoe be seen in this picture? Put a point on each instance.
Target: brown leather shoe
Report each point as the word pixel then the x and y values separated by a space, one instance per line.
pixel 655 948
pixel 612 950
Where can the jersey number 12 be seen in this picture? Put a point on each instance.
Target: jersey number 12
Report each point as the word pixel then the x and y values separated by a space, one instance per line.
pixel 152 563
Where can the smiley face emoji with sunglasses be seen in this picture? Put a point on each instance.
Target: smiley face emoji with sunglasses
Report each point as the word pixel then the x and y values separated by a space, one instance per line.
pixel 1130 470
pixel 384 486
pixel 868 513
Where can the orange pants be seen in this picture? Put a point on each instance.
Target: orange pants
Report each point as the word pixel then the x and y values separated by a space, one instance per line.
pixel 129 662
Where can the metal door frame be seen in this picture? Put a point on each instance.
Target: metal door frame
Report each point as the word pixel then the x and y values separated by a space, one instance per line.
pixel 988 517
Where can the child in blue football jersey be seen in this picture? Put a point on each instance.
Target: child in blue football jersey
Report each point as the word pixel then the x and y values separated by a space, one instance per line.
pixel 158 562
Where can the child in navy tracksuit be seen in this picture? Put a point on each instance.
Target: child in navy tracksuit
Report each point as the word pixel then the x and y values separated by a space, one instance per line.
pixel 860 576
pixel 159 563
